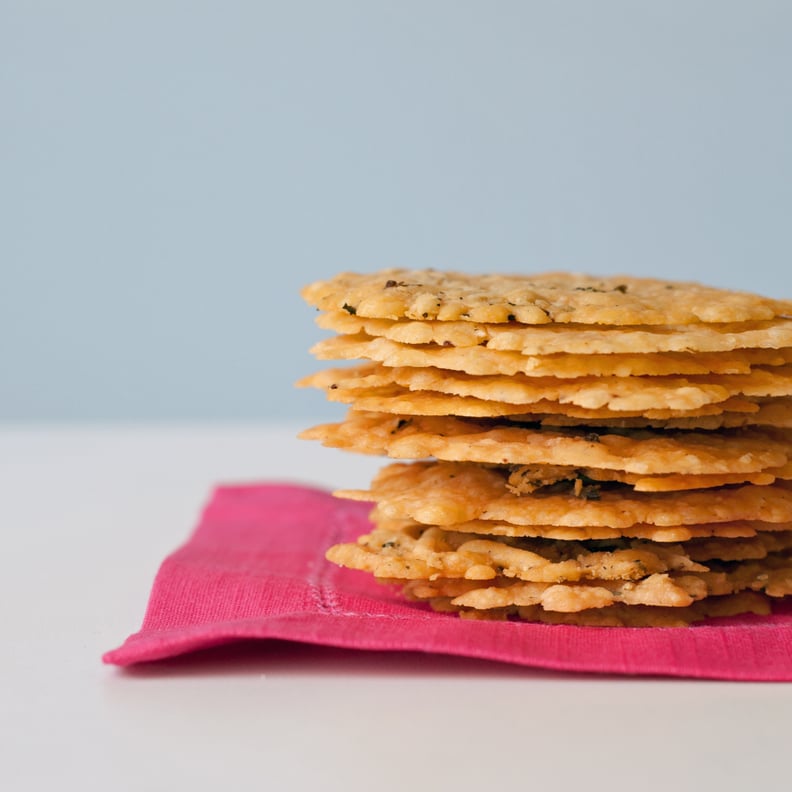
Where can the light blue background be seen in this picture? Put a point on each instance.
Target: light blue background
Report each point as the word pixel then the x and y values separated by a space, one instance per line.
pixel 172 172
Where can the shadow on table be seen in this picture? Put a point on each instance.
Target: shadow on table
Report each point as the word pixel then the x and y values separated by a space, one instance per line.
pixel 274 657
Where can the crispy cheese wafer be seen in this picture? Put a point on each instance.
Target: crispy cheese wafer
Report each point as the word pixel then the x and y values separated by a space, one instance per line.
pixel 441 493
pixel 536 299
pixel 643 452
pixel 575 339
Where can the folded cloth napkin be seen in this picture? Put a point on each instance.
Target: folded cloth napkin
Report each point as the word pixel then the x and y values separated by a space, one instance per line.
pixel 255 568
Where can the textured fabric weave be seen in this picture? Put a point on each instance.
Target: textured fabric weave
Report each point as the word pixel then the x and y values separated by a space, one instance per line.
pixel 255 568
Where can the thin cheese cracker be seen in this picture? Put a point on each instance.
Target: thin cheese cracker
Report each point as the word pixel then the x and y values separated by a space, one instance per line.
pixel 435 553
pixel 643 452
pixel 361 385
pixel 773 576
pixel 573 339
pixel 478 360
pixel 734 415
pixel 536 299
pixel 442 493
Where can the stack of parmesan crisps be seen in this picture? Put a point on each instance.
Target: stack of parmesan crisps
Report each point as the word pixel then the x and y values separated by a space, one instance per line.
pixel 597 451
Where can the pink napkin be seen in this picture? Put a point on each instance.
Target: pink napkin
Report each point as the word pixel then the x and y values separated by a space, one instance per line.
pixel 255 568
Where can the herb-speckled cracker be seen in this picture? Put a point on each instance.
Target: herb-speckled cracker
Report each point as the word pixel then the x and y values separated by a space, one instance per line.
pixel 646 452
pixel 536 299
pixel 479 360
pixel 442 493
pixel 413 552
pixel 569 338
pixel 620 615
pixel 772 575
pixel 664 534
pixel 436 553
pixel 617 394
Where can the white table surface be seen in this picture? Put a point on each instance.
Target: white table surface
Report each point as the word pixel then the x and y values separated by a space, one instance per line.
pixel 87 516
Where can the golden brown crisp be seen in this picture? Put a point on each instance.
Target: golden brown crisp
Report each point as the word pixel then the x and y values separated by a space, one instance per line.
pixel 443 493
pixel 641 451
pixel 539 298
pixel 731 530
pixel 360 385
pixel 660 589
pixel 482 361
pixel 620 615
pixel 772 575
pixel 733 415
pixel 548 339
pixel 436 553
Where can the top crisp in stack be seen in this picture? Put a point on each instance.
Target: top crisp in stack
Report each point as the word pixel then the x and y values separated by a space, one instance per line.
pixel 610 451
